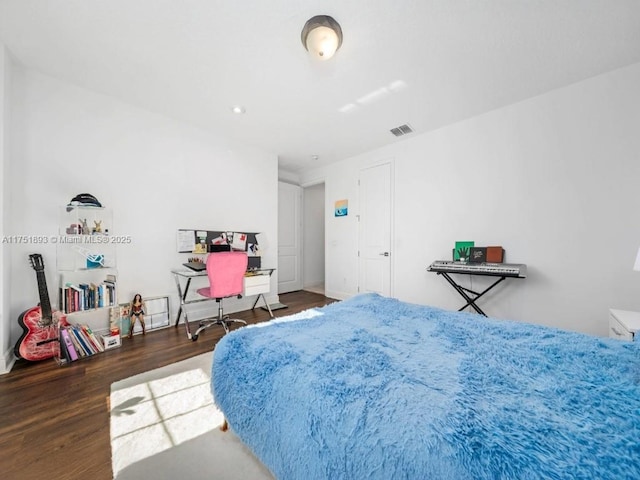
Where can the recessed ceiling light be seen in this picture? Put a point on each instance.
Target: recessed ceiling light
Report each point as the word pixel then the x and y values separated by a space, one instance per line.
pixel 238 109
pixel 314 157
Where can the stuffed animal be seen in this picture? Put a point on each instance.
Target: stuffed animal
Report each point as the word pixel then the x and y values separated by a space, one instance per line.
pixel 85 227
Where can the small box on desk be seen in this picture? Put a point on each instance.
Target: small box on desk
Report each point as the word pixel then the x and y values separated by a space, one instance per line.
pixel 495 255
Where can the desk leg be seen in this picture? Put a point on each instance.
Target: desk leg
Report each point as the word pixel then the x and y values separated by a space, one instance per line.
pixel 182 296
pixel 178 316
pixel 256 302
pixel 265 304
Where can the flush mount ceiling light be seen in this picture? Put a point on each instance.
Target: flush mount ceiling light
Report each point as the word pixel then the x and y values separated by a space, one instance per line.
pixel 322 36
pixel 238 109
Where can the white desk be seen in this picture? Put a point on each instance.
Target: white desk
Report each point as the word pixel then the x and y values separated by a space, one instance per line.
pixel 256 282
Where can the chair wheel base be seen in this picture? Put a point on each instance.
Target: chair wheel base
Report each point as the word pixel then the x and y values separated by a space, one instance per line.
pixel 194 337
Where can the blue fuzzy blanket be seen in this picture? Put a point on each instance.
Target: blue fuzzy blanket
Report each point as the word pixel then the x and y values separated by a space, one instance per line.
pixel 374 388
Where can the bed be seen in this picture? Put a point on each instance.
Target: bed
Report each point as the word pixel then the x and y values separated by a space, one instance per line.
pixel 375 388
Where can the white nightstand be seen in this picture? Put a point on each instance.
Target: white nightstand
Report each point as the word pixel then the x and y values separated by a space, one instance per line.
pixel 623 324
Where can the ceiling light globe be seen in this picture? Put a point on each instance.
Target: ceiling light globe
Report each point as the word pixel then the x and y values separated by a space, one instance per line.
pixel 322 42
pixel 322 36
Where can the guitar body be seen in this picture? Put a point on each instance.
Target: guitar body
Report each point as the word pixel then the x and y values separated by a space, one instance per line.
pixel 39 340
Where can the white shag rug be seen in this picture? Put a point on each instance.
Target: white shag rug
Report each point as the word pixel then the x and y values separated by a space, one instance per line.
pixel 164 425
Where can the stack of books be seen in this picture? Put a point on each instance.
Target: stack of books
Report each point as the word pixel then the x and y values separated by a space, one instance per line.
pixel 78 341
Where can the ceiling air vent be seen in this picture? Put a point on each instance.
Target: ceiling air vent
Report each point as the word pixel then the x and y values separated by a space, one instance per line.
pixel 401 130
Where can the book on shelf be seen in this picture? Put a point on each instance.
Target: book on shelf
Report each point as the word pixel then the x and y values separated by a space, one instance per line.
pixel 82 341
pixel 93 339
pixel 63 352
pixel 67 346
pixel 86 296
pixel 79 350
pixel 85 303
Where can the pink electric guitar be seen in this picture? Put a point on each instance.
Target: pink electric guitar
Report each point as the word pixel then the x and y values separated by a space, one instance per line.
pixel 39 340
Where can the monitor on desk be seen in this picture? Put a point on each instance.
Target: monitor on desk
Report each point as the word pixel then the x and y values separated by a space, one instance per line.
pixel 254 263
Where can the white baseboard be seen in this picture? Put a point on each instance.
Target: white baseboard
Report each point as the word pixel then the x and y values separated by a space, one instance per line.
pixel 338 295
pixel 7 361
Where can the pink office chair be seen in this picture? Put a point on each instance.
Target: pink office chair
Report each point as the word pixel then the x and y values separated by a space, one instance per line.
pixel 226 279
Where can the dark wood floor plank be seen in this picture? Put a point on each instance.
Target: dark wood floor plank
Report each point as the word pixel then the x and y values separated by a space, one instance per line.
pixel 54 421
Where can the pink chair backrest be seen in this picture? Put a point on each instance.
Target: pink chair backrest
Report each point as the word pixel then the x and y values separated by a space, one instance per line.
pixel 226 273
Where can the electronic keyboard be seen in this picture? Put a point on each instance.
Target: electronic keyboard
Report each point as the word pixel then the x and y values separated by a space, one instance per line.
pixel 492 269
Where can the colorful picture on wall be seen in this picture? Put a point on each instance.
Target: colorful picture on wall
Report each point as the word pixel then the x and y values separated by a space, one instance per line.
pixel 342 208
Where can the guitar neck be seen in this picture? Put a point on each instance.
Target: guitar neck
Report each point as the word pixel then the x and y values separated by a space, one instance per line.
pixel 45 304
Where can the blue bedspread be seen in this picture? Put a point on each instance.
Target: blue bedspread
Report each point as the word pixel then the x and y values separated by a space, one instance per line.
pixel 375 388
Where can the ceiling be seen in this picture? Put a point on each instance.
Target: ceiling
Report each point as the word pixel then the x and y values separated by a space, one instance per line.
pixel 426 63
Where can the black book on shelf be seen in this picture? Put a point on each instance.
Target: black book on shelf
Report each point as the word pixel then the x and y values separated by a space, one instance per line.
pixel 64 352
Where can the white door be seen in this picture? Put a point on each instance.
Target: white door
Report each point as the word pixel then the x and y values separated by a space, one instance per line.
pixel 289 241
pixel 375 230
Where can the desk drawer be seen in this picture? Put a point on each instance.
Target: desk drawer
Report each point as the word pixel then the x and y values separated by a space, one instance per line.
pixel 617 330
pixel 257 284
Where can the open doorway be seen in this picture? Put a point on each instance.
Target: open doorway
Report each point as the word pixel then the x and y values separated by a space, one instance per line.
pixel 313 220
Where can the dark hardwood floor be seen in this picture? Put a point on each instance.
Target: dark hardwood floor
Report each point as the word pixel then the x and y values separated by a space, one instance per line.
pixel 54 421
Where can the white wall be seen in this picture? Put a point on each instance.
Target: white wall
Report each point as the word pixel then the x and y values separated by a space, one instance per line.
pixel 156 174
pixel 6 357
pixel 313 235
pixel 288 177
pixel 553 179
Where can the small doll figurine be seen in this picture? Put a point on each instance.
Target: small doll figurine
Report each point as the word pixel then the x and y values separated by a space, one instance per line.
pixel 137 312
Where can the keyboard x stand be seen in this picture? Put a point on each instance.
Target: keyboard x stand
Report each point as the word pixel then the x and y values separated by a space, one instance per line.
pixel 463 291
pixel 501 271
